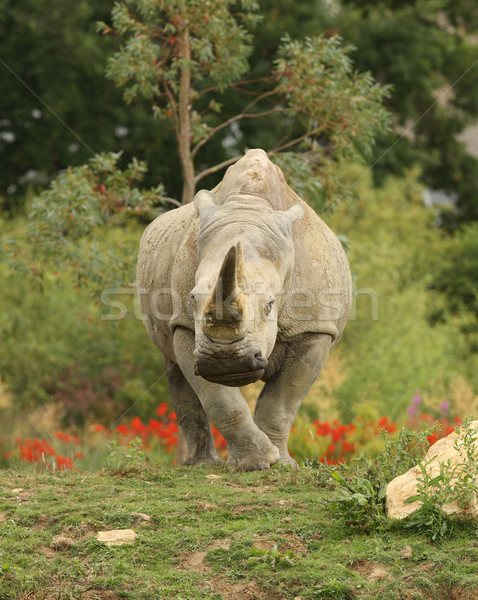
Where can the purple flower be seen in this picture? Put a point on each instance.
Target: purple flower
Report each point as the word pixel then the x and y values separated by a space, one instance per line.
pixel 416 400
pixel 412 410
pixel 445 407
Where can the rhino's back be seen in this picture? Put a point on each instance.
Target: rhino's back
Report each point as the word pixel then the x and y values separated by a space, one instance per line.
pixel 255 175
pixel 167 264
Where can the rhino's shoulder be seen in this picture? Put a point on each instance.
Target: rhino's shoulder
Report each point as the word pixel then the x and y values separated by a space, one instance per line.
pixel 169 226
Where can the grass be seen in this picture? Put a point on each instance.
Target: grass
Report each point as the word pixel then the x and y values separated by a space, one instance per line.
pixel 271 535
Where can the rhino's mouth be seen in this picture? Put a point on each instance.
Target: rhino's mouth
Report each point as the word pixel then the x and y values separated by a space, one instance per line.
pixel 235 379
pixel 243 369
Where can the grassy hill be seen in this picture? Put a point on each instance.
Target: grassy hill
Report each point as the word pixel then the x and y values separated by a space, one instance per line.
pixel 203 533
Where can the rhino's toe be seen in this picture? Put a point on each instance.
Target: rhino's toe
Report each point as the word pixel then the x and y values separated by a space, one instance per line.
pixel 248 463
pixel 253 462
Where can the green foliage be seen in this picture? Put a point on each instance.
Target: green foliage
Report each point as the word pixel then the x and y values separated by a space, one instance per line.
pixel 340 111
pixel 422 48
pixel 181 57
pixel 343 107
pixel 389 346
pixel 121 457
pixel 153 57
pixel 456 278
pixel 56 103
pixel 360 494
pixel 62 346
pixel 65 220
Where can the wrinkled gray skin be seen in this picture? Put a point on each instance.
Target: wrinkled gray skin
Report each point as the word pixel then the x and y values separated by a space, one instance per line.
pixel 246 283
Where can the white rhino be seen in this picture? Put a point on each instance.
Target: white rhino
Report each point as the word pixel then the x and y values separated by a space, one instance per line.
pixel 246 283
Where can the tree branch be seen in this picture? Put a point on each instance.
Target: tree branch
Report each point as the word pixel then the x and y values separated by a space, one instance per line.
pixel 170 200
pixel 218 167
pixel 243 115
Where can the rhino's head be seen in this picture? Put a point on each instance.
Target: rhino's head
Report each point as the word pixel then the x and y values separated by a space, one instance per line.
pixel 246 255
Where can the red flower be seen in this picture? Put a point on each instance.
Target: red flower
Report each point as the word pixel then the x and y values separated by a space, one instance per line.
pixel 162 409
pixel 64 463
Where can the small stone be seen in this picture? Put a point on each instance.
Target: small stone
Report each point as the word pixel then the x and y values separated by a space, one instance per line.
pixel 406 552
pixel 142 516
pixel 117 537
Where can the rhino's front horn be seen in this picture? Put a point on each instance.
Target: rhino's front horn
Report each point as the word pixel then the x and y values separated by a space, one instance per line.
pixel 225 310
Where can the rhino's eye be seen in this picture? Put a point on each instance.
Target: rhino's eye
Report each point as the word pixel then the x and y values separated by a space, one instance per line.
pixel 269 306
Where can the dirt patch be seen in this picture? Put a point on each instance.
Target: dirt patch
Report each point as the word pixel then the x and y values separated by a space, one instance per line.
pixel 248 590
pixel 219 544
pixel 197 560
pixel 460 593
pixel 206 506
pixel 3 517
pixel 243 508
pixel 454 593
pixel 99 595
pixel 370 570
pixel 48 552
pixel 293 544
pixel 21 494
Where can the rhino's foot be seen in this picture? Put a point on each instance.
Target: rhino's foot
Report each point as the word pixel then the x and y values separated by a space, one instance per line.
pixel 202 460
pixel 253 461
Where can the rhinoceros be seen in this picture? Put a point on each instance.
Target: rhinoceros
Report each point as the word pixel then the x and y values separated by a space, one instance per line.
pixel 246 283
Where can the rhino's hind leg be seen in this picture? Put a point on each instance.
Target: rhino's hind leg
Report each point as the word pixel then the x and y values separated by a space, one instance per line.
pixel 192 419
pixel 283 394
pixel 248 447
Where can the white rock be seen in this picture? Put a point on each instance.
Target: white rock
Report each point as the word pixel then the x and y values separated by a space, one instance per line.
pixel 117 537
pixel 404 486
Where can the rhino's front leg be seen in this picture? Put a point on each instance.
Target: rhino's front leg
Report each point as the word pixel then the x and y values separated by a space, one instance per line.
pixel 248 447
pixel 283 394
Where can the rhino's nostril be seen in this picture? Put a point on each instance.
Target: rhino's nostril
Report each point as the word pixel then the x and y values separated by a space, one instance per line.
pixel 259 362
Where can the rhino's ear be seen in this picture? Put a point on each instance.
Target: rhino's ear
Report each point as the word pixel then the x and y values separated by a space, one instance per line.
pixel 295 213
pixel 203 200
pixel 288 217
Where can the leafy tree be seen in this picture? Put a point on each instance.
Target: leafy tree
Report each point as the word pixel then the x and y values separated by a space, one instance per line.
pixel 456 278
pixel 426 50
pixel 56 107
pixel 182 56
pixel 66 218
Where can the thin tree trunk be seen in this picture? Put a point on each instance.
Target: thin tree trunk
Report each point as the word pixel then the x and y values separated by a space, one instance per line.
pixel 185 134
